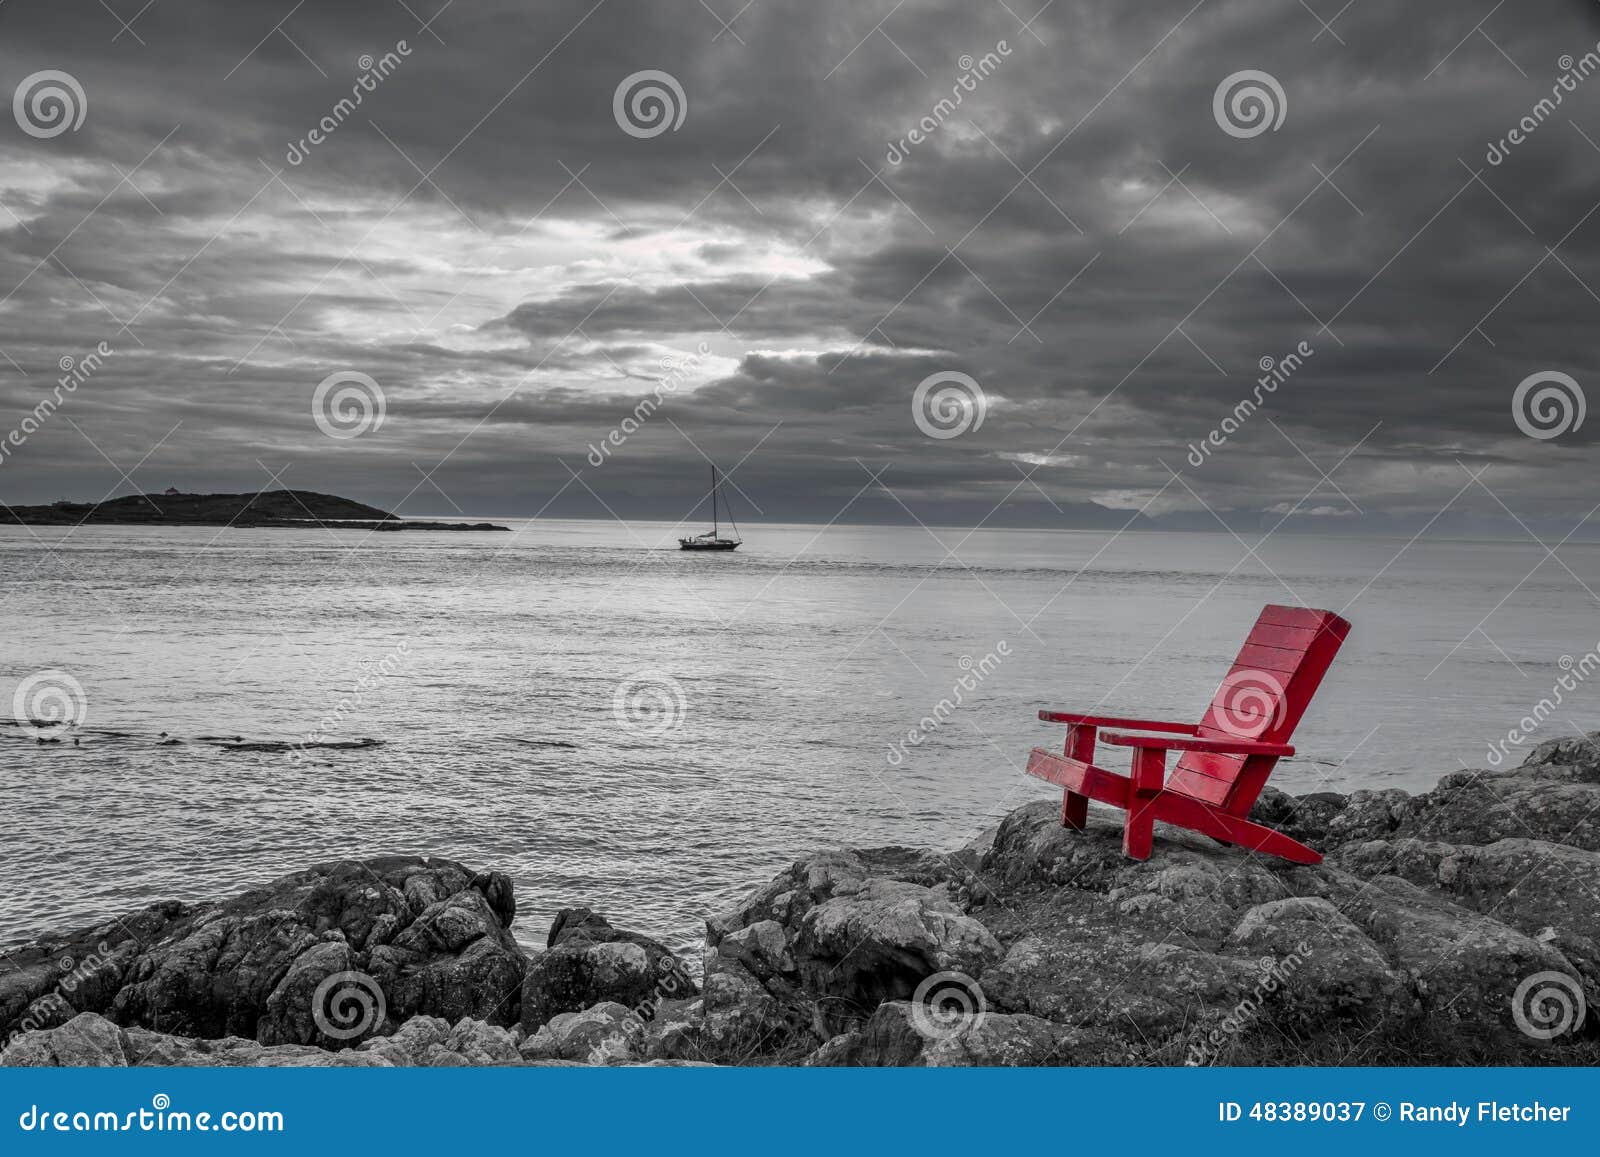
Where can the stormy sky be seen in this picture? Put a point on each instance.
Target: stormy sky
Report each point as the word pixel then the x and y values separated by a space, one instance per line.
pixel 515 253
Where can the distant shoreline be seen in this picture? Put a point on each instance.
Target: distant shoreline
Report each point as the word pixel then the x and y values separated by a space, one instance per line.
pixel 268 509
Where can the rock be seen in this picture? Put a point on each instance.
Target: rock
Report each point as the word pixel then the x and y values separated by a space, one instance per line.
pixel 1570 757
pixel 497 892
pixel 410 1043
pixel 1205 952
pixel 825 943
pixel 413 935
pixel 79 972
pixel 87 1040
pixel 1465 967
pixel 91 1040
pixel 456 959
pixel 589 962
pixel 1321 967
pixel 1368 815
pixel 1135 987
pixel 48 1011
pixel 762 947
pixel 477 1042
pixel 875 942
pixel 602 1034
pixel 320 1000
pixel 1306 818
pixel 896 1036
pixel 678 1032
pixel 1519 881
pixel 1556 804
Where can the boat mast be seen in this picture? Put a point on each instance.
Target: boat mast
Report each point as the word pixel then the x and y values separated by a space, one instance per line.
pixel 715 533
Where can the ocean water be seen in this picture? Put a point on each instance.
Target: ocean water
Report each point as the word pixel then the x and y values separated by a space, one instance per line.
pixel 652 733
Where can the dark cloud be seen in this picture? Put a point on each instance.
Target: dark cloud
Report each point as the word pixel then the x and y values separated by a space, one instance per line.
pixel 1079 236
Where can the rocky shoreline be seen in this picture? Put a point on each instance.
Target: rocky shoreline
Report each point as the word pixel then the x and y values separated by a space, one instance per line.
pixel 1458 926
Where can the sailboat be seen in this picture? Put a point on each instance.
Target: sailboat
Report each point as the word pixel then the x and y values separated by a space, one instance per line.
pixel 712 539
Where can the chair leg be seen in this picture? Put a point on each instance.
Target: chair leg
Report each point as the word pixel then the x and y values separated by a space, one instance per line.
pixel 1138 831
pixel 1149 772
pixel 1075 805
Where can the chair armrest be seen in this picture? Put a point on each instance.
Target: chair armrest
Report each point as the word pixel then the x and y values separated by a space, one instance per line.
pixel 1116 721
pixel 1213 746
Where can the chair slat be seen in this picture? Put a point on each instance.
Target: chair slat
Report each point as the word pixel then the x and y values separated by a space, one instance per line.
pixel 1202 787
pixel 1255 657
pixel 1290 638
pixel 1222 723
pixel 1213 766
pixel 1248 692
pixel 1281 616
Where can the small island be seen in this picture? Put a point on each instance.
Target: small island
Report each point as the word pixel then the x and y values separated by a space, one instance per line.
pixel 267 508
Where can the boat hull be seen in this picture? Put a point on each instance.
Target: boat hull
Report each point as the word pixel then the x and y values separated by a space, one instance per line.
pixel 690 544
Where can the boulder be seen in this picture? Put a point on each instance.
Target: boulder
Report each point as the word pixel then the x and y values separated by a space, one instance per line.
pixel 48 982
pixel 1465 967
pixel 588 962
pixel 1517 880
pixel 89 1039
pixel 603 1034
pixel 328 956
pixel 898 1035
pixel 410 1044
pixel 1323 968
pixel 456 959
pixel 821 946
pixel 476 1042
pixel 678 1033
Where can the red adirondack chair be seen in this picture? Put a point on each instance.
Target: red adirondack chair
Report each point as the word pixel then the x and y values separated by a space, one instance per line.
pixel 1225 759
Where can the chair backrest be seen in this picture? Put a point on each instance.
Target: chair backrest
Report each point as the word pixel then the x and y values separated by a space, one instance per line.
pixel 1262 697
